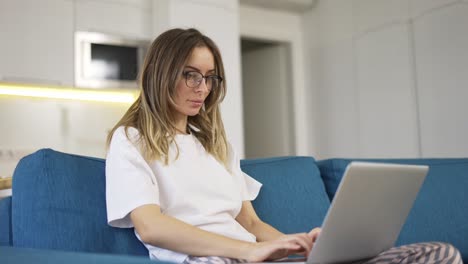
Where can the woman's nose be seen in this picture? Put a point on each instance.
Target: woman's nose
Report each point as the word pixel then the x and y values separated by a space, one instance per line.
pixel 203 86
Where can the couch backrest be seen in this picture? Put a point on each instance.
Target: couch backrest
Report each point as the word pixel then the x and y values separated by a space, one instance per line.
pixel 58 202
pixel 293 198
pixel 440 212
pixel 5 221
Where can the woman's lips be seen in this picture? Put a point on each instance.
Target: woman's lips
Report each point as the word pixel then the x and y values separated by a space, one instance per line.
pixel 196 103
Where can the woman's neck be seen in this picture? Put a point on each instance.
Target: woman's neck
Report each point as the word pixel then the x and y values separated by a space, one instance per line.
pixel 181 126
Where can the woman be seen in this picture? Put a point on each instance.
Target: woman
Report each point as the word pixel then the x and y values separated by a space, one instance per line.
pixel 172 175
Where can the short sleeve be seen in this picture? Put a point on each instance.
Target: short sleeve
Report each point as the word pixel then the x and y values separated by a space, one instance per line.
pixel 130 182
pixel 248 185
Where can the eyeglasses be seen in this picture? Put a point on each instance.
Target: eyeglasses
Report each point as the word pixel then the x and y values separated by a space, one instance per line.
pixel 193 79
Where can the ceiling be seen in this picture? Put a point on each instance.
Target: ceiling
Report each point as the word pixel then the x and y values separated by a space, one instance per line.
pixel 296 6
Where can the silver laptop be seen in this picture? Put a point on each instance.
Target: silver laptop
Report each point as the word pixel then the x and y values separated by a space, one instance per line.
pixel 368 211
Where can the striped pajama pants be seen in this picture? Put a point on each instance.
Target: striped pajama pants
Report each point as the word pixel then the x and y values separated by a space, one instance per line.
pixel 429 253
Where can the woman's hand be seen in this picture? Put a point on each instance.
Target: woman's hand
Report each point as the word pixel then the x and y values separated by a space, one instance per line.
pixel 313 235
pixel 283 246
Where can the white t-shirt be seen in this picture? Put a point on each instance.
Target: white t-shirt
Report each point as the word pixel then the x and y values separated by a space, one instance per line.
pixel 194 188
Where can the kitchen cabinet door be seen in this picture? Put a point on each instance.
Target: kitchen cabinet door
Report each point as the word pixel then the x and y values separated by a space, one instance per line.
pixel 36 41
pixel 126 18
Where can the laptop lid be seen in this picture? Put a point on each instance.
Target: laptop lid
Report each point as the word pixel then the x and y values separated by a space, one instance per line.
pixel 368 211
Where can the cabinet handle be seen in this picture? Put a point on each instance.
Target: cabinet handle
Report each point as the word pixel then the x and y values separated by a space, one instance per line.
pixel 29 80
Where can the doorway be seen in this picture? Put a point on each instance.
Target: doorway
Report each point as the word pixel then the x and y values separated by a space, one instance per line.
pixel 267 98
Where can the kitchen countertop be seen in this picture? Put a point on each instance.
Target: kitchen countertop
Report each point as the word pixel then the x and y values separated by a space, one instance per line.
pixel 5 183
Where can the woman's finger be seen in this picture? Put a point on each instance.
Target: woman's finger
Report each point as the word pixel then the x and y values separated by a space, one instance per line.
pixel 302 239
pixel 314 233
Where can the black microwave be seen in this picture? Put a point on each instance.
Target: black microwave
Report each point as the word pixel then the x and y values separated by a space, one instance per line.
pixel 107 61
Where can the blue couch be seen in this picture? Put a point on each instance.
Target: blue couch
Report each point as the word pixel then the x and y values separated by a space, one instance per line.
pixel 57 210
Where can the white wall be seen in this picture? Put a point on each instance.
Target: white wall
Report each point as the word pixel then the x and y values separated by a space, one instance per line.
pixel 388 78
pixel 329 54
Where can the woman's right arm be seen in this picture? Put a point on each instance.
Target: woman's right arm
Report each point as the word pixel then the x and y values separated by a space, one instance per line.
pixel 164 231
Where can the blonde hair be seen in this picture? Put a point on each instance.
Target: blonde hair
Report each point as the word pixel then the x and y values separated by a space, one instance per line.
pixel 151 113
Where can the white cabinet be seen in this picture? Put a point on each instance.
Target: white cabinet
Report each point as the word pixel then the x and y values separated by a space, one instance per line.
pixel 36 43
pixel 129 18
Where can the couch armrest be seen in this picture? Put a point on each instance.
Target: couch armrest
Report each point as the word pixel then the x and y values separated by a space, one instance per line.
pixel 5 222
pixel 5 183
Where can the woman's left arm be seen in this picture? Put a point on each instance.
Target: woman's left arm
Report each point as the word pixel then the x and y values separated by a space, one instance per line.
pixel 250 221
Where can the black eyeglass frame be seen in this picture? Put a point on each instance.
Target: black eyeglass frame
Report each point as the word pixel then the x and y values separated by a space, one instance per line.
pixel 212 76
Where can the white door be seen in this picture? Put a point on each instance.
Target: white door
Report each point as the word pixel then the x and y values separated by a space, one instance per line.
pixel 267 96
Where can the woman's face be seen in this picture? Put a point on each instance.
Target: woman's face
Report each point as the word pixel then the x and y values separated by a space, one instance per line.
pixel 189 100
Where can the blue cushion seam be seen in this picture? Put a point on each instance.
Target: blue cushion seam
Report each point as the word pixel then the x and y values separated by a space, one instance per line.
pixel 254 162
pixel 48 150
pixel 435 161
pixel 88 158
pixel 272 161
pixel 432 163
pixel 83 157
pixel 448 163
pixel 335 175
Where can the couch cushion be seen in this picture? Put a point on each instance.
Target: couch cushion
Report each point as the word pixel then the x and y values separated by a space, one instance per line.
pixel 5 221
pixel 59 203
pixel 440 212
pixel 293 197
